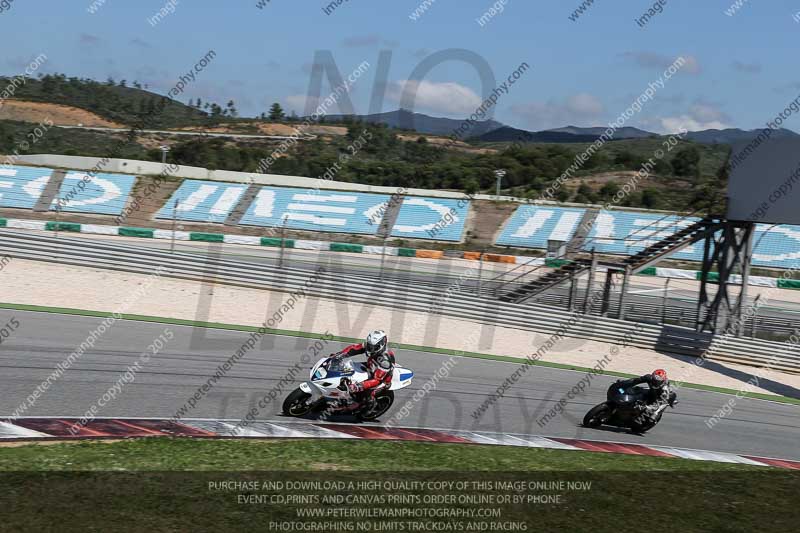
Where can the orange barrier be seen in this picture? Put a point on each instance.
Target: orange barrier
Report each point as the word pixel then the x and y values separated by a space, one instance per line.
pixel 472 256
pixel 497 258
pixel 430 254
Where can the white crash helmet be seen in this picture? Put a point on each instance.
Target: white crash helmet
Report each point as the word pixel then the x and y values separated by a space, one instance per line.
pixel 376 342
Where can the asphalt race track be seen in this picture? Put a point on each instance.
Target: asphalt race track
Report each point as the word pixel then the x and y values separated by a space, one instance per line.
pixel 169 379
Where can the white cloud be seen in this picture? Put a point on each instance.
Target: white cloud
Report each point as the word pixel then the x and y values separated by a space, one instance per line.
pixel 700 116
pixel 581 109
pixel 675 124
pixel 438 97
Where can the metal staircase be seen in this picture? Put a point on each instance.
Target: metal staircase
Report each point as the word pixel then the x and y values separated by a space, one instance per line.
pixel 669 245
pixel 633 264
pixel 548 281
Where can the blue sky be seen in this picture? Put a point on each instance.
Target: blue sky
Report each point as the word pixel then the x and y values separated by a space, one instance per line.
pixel 740 72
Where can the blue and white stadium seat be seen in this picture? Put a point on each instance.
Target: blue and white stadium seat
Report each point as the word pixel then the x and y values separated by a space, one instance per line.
pixel 532 226
pixel 344 212
pixel 21 187
pixel 626 233
pixel 316 210
pixel 102 194
pixel 418 216
pixel 777 246
pixel 202 201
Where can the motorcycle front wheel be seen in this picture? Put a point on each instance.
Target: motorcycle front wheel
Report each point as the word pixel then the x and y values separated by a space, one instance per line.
pixel 297 403
pixel 597 415
pixel 646 426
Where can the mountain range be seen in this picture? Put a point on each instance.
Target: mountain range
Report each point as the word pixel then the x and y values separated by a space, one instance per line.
pixel 408 120
pixel 493 131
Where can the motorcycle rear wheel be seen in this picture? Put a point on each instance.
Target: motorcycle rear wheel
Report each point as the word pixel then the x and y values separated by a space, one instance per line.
pixel 597 415
pixel 297 404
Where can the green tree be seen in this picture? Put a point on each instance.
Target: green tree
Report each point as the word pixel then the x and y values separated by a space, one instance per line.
pixel 609 190
pixel 585 195
pixel 276 112
pixel 471 186
pixel 651 198
pixel 662 168
pixel 686 162
pixel 231 108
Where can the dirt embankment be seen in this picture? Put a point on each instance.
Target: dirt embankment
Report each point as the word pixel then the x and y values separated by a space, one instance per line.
pixel 60 115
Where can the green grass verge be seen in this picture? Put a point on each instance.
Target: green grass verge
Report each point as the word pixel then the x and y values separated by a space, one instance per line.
pixel 442 351
pixel 163 484
pixel 307 455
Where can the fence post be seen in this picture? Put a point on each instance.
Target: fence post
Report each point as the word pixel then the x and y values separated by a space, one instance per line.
pixel 58 212
pixel 572 292
pixel 174 223
pixel 624 291
pixel 283 243
pixel 664 303
pixel 587 308
pixel 480 272
pixel 383 257
pixel 755 317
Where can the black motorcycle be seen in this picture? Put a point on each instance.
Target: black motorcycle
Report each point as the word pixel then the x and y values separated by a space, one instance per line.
pixel 626 408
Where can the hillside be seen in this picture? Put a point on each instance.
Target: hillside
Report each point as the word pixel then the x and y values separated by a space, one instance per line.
pixel 686 178
pixel 419 122
pixel 514 135
pixel 625 132
pixel 733 135
pixel 115 103
pixel 62 115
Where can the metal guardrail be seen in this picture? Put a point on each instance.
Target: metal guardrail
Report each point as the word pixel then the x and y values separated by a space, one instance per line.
pixel 402 296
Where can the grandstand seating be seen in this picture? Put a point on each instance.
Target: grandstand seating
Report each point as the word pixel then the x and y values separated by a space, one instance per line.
pixel 628 233
pixel 613 232
pixel 202 201
pixel 103 194
pixel 532 226
pixel 318 210
pixel 21 187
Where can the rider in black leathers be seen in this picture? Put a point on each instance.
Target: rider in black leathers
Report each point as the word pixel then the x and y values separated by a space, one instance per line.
pixel 660 391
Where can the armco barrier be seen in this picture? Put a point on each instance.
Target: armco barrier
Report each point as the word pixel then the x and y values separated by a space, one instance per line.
pixel 400 295
pixel 758 281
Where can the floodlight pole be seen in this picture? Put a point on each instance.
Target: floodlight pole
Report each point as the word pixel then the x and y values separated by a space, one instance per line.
pixel 499 174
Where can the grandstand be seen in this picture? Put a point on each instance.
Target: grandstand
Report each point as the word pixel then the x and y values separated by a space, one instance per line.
pixel 332 208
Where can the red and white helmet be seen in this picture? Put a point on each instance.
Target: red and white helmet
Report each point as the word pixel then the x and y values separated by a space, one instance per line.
pixel 659 377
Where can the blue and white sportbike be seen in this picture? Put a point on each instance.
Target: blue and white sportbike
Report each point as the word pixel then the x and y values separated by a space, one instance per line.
pixel 327 390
